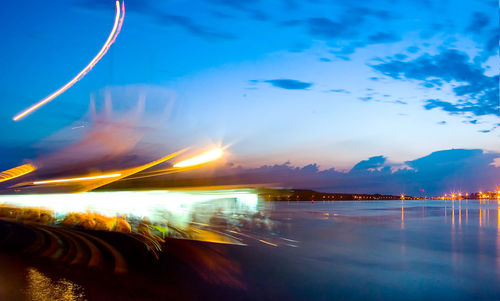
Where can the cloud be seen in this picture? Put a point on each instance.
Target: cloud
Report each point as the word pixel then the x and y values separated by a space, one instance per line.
pixel 247 6
pixel 454 170
pixel 365 98
pixel 400 56
pixel 148 8
pixel 136 6
pixel 490 47
pixel 466 170
pixel 478 23
pixel 239 5
pixel 289 84
pixel 413 49
pixel 372 163
pixel 339 91
pixel 328 29
pixel 383 37
pixel 343 34
pixel 485 35
pixel 400 102
pixel 476 93
pixel 221 15
pixel 189 25
pixel 290 4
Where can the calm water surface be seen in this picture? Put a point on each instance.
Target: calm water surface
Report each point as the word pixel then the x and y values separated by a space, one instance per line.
pixel 376 250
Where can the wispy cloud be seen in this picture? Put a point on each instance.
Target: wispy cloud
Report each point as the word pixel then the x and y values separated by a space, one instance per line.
pixel 289 84
pixel 339 91
pixel 157 15
pixel 478 22
pixel 476 93
pixel 189 25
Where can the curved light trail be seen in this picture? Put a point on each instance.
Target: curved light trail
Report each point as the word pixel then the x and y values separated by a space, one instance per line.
pixel 120 14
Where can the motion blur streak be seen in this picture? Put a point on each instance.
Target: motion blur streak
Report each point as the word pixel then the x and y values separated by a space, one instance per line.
pixel 180 205
pixel 16 172
pixel 268 243
pixel 78 179
pixel 93 181
pixel 111 38
pixel 203 158
pixel 119 24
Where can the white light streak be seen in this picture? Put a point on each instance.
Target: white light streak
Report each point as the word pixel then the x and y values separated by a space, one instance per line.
pixel 111 38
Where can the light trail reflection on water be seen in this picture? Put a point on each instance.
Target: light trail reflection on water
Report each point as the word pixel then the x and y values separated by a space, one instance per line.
pixel 41 288
pixel 382 250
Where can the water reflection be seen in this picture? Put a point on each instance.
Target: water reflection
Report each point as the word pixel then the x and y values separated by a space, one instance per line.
pixel 498 235
pixel 296 250
pixel 42 288
pixel 402 216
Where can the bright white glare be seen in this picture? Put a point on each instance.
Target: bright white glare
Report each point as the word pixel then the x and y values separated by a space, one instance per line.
pixel 212 155
pixel 158 206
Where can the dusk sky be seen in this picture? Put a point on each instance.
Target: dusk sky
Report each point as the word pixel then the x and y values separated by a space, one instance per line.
pixel 389 95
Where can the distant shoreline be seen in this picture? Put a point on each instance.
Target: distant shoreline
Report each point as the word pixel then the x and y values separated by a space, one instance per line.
pixel 304 195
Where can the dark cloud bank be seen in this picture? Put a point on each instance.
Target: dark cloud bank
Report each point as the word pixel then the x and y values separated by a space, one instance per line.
pixel 467 170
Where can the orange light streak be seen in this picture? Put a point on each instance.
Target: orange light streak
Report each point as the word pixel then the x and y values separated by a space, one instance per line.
pixel 16 172
pixel 268 243
pixel 77 179
pixel 211 155
pixel 111 38
pixel 402 217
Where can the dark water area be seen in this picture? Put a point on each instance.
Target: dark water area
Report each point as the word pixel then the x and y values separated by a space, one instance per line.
pixel 376 250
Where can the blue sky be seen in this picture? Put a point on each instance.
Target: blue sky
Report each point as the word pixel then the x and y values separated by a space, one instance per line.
pixel 331 83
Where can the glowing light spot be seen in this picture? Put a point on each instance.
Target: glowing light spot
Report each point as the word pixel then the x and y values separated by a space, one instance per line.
pixel 203 158
pixel 111 38
pixel 16 172
pixel 78 179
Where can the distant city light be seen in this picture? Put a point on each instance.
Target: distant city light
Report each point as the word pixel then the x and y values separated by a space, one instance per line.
pixel 211 155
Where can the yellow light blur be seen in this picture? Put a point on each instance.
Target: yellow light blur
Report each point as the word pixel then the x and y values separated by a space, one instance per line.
pixel 111 38
pixel 16 172
pixel 78 179
pixel 211 155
